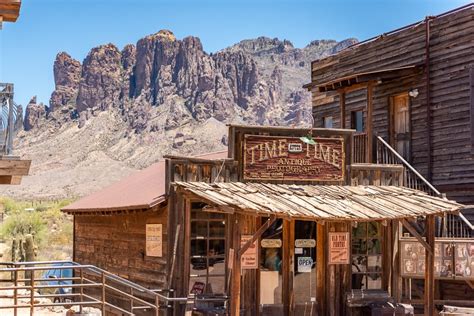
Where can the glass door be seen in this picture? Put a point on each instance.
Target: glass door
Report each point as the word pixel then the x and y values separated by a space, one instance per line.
pixel 304 270
pixel 271 272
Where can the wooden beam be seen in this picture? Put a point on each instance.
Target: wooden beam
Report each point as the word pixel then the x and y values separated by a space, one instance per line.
pixel 321 268
pixel 415 234
pixel 236 271
pixel 370 122
pixel 342 108
pixel 257 235
pixel 429 267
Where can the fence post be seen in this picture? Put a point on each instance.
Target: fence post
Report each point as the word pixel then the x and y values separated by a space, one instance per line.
pixel 81 289
pixel 103 294
pixel 15 291
pixel 32 293
pixel 131 300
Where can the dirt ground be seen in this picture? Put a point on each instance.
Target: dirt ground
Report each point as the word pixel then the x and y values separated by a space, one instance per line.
pixel 39 311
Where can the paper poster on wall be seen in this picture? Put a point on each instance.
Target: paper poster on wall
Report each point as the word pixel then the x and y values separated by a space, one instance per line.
pixel 339 248
pixel 249 259
pixel 154 240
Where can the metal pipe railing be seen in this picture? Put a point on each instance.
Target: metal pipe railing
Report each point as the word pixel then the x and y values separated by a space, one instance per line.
pixel 90 278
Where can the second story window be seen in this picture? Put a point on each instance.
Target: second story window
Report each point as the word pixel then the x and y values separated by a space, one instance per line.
pixel 357 121
pixel 327 122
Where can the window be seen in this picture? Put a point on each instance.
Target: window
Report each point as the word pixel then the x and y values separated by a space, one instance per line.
pixel 207 271
pixel 367 256
pixel 327 122
pixel 357 121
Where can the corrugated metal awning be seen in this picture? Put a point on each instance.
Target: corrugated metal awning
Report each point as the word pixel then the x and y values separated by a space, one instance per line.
pixel 321 202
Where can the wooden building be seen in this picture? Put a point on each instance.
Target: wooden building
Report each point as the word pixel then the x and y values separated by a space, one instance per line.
pixel 409 94
pixel 279 224
pixel 413 87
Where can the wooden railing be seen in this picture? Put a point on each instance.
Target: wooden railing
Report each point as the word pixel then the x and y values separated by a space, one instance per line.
pixel 451 226
pixel 89 286
pixel 359 148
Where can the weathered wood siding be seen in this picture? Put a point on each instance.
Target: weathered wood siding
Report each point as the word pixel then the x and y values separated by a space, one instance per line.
pixel 451 56
pixel 117 244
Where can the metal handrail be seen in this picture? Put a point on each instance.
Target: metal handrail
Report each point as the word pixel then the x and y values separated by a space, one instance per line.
pixel 408 165
pixel 157 302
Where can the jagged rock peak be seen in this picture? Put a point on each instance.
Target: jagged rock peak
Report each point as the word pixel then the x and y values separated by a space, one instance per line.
pixel 262 46
pixel 34 114
pixel 67 70
pixel 165 35
pixel 322 42
pixel 344 44
pixel 67 75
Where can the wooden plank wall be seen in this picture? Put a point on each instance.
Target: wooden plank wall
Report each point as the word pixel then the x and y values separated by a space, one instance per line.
pixel 117 244
pixel 451 56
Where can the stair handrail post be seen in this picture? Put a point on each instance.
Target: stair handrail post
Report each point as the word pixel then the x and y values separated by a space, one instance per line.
pixel 103 293
pixel 81 275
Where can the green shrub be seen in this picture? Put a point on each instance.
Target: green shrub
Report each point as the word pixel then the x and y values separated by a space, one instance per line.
pixel 21 223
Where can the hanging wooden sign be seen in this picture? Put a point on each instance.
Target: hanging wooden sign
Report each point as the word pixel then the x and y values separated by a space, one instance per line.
pixel 249 259
pixel 289 158
pixel 339 248
pixel 271 243
pixel 154 240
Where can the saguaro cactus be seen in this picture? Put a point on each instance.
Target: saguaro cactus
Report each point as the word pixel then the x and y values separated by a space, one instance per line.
pixel 29 253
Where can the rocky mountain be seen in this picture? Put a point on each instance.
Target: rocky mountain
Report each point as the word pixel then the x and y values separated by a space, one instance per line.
pixel 121 110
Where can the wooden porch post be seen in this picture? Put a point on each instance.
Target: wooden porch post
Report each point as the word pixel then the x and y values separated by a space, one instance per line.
pixel 342 108
pixel 429 266
pixel 370 124
pixel 235 290
pixel 321 269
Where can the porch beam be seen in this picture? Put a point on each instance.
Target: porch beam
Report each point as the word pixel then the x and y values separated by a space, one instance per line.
pixel 413 231
pixel 256 235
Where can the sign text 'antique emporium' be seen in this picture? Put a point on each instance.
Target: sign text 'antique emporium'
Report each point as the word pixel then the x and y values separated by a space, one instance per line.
pixel 288 158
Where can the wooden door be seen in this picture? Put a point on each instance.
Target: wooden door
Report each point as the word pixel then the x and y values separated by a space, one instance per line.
pixel 400 124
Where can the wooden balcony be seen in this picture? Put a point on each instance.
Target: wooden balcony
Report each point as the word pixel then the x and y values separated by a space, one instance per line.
pixel 377 174
pixel 12 169
pixel 9 10
pixel 360 148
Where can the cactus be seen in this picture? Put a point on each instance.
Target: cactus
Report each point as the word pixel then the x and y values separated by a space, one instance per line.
pixel 29 254
pixel 14 249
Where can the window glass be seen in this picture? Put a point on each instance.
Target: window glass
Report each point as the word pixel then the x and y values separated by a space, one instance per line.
pixel 207 270
pixel 327 122
pixel 357 121
pixel 367 256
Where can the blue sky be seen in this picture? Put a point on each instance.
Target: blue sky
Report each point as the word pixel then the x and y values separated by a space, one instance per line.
pixel 46 27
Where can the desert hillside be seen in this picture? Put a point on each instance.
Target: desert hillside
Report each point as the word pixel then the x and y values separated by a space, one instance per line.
pixel 118 111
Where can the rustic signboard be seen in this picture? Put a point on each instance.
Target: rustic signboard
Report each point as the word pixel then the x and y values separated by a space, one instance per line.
pixel 288 158
pixel 305 243
pixel 249 260
pixel 271 243
pixel 339 248
pixel 154 240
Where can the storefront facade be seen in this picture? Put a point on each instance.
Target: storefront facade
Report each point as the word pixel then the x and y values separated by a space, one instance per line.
pixel 282 233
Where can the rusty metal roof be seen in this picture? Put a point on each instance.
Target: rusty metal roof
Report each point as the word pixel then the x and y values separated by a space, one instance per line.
pixel 141 190
pixel 320 202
